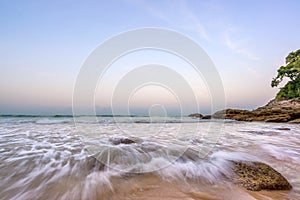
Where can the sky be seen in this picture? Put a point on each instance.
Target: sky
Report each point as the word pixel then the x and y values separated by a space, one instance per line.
pixel 44 45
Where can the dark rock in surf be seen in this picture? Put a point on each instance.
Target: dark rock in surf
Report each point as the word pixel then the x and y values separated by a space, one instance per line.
pixel 206 117
pixel 118 141
pixel 257 176
pixel 283 129
pixel 125 140
pixel 196 115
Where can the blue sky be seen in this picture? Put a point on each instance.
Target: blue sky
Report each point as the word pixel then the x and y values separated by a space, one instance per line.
pixel 44 43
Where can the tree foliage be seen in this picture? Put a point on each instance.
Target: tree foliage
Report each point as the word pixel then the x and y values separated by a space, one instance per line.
pixel 292 71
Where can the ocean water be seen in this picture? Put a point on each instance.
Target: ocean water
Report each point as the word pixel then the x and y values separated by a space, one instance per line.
pixel 105 157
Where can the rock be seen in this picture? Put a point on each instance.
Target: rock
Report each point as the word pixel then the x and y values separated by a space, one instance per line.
pixel 117 141
pixel 93 164
pixel 188 156
pixel 196 115
pixel 257 176
pixel 237 114
pixel 278 118
pixel 274 111
pixel 148 147
pixel 206 117
pixel 283 129
pixel 295 121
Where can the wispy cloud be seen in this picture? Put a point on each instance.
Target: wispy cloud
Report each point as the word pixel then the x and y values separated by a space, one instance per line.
pixel 239 47
pixel 181 16
pixel 194 22
pixel 177 15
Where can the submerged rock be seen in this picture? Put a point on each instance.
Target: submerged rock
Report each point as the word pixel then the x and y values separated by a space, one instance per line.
pixel 257 176
pixel 93 164
pixel 188 155
pixel 283 129
pixel 123 140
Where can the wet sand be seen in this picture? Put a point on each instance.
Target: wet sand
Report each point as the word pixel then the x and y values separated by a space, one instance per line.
pixel 153 187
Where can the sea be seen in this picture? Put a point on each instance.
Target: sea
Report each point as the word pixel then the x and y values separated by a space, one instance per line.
pixel 140 157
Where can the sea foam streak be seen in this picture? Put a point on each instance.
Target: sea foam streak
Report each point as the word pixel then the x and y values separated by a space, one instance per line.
pixel 47 158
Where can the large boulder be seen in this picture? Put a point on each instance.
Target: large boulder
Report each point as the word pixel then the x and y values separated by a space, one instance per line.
pixel 257 176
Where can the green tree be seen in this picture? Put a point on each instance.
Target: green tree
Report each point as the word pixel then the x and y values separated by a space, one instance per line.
pixel 292 71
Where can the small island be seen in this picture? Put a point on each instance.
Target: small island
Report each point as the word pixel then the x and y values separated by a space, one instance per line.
pixel 285 107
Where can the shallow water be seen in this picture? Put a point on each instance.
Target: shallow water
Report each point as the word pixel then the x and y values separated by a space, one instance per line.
pixel 168 158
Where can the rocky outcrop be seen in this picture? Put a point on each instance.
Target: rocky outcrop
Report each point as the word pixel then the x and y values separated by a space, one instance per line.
pixel 236 114
pixel 295 121
pixel 274 111
pixel 258 176
pixel 196 115
pixel 200 116
pixel 206 117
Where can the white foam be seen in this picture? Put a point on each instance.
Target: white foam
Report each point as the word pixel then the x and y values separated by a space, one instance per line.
pixel 53 121
pixel 35 156
pixel 282 153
